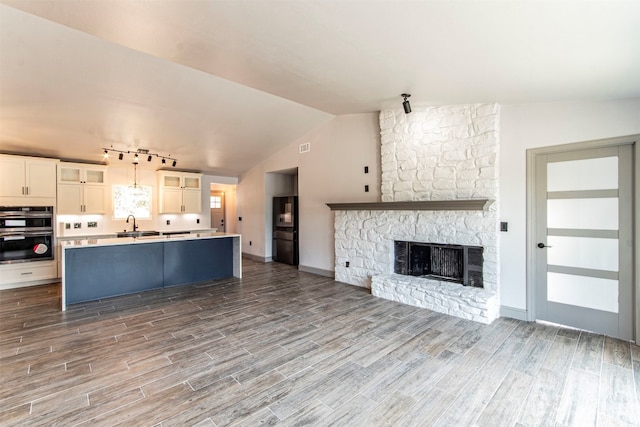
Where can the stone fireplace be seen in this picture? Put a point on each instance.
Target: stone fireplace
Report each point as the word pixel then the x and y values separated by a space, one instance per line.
pixel 439 187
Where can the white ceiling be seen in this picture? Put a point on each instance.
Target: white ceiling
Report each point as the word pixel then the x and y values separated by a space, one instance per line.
pixel 222 84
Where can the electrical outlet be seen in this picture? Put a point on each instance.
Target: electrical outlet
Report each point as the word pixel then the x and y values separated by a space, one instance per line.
pixel 250 243
pixel 92 224
pixel 77 225
pixel 366 188
pixel 504 226
pixel 346 264
pixel 168 222
pixel 197 220
pixel 366 169
pixel 67 226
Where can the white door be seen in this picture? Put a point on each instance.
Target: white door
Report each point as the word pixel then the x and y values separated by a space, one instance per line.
pixel 217 210
pixel 584 239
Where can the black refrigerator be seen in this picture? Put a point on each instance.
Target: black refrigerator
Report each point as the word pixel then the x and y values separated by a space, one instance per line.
pixel 285 229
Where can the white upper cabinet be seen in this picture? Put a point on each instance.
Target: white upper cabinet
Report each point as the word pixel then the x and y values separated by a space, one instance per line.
pixel 81 188
pixel 179 192
pixel 27 180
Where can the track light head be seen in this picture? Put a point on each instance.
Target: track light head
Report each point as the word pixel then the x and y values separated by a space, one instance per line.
pixel 405 103
pixel 164 161
pixel 149 158
pixel 106 154
pixel 120 156
pixel 135 158
pixel 174 163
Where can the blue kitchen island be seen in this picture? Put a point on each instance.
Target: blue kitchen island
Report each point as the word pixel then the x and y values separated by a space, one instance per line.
pixel 100 268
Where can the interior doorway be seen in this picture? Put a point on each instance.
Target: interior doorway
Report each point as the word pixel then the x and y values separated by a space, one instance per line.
pixel 581 240
pixel 217 205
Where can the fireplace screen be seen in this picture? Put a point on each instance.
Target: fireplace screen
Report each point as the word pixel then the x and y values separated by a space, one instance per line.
pixel 454 263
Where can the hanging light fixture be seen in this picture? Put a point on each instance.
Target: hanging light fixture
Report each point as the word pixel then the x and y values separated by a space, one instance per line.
pixel 137 153
pixel 405 103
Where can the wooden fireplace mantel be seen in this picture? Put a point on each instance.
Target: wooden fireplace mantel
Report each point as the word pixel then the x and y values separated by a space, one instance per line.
pixel 429 205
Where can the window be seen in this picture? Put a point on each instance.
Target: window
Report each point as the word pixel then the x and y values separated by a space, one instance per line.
pixel 130 200
pixel 216 202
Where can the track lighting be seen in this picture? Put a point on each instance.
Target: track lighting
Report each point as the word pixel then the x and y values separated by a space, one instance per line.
pixel 137 153
pixel 405 103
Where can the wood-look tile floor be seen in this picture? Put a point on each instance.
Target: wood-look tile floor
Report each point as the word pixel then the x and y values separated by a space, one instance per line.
pixel 282 347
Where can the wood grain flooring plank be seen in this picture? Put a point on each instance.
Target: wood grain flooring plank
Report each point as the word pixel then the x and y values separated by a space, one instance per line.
pixel 532 355
pixel 16 416
pixel 560 354
pixel 617 394
pixel 589 353
pixel 458 377
pixel 635 351
pixel 390 410
pixel 504 406
pixel 540 406
pixel 617 352
pixel 579 401
pixel 309 414
pixel 428 410
pixel 350 413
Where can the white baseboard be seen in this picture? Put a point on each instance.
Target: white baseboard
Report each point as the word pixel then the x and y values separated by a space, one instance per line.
pixel 318 271
pixel 513 313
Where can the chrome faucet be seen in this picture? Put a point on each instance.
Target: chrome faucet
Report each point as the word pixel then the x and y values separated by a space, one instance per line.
pixel 135 227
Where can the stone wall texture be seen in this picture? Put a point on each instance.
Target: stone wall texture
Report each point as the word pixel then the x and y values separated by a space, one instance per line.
pixel 434 153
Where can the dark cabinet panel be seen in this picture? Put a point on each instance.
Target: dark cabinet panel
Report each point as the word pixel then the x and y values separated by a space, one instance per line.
pixel 106 271
pixel 191 261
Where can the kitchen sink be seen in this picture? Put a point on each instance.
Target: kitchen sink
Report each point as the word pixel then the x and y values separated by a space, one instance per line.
pixel 137 233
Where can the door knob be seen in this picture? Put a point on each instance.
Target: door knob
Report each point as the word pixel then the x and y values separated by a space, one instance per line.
pixel 542 246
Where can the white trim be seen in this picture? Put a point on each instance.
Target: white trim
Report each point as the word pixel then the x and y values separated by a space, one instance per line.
pixel 513 313
pixel 318 271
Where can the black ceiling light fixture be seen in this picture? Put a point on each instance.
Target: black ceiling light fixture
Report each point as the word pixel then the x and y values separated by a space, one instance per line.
pixel 405 103
pixel 137 155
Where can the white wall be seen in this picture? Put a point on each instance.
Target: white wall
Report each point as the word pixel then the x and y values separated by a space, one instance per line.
pixel 538 125
pixel 331 172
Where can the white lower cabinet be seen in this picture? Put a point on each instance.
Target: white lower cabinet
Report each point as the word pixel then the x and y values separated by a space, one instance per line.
pixel 22 274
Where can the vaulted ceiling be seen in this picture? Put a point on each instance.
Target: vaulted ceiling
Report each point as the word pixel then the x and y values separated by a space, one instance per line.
pixel 222 84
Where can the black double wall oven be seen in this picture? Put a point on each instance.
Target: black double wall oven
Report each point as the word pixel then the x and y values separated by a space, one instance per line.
pixel 26 234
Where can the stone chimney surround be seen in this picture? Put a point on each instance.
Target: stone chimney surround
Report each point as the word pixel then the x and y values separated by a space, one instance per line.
pixel 439 170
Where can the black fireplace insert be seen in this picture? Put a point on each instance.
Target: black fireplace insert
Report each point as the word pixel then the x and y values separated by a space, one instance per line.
pixel 453 263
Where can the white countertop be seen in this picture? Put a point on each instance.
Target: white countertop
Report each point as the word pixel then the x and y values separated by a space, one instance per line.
pixel 110 241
